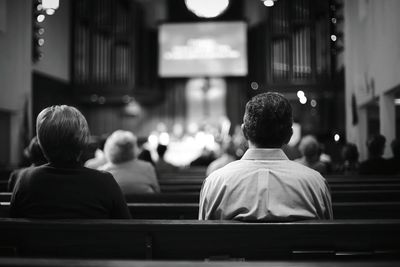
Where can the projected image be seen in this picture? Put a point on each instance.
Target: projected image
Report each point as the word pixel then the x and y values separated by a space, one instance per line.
pixel 203 49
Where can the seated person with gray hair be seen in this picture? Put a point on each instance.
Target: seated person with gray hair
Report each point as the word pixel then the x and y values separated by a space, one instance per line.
pixel 264 185
pixel 63 188
pixel 311 151
pixel 133 175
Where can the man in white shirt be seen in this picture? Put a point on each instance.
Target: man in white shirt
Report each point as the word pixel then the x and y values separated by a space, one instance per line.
pixel 265 185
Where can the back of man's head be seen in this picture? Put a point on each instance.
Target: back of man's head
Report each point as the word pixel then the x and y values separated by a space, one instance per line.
pixel 376 145
pixel 267 121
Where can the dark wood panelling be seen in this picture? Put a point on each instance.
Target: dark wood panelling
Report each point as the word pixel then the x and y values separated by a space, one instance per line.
pixel 48 91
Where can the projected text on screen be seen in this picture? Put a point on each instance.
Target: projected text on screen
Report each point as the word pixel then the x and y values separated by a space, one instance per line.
pixel 203 49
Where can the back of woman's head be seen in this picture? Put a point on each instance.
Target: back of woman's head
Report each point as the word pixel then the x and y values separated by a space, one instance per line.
pixel 63 133
pixel 121 146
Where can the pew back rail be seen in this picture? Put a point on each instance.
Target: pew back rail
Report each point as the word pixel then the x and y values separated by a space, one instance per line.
pixel 199 240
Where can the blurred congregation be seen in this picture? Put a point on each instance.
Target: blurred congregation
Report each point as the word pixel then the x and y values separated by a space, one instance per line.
pixel 199 132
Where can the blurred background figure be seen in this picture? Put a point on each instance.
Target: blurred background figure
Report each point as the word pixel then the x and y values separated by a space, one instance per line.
pixel 228 155
pixel 35 157
pixel 207 156
pixel 311 151
pixel 99 158
pixel 291 149
pixel 133 175
pixel 394 162
pixel 239 141
pixel 162 165
pixel 375 164
pixel 144 153
pixel 350 156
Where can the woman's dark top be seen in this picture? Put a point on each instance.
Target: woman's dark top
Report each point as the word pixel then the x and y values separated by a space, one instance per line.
pixel 67 192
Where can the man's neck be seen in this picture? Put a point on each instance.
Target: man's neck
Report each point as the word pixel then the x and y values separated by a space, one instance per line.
pixel 253 146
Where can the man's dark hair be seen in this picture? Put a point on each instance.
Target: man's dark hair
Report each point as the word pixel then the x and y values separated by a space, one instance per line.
pixel 267 121
pixel 161 149
pixel 63 133
pixel 376 145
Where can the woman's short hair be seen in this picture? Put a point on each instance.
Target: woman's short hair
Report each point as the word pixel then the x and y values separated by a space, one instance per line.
pixel 63 133
pixel 121 146
pixel 268 120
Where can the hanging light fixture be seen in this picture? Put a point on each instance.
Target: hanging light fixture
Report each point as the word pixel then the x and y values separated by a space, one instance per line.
pixel 207 8
pixel 268 3
pixel 50 6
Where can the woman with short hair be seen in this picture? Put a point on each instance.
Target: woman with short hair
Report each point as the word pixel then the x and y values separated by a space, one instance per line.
pixel 63 188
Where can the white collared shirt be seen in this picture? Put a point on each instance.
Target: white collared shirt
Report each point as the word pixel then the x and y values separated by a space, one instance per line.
pixel 265 186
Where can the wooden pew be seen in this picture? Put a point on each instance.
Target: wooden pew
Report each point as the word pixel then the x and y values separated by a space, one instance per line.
pixel 189 211
pixel 188 197
pixel 193 173
pixel 46 262
pixel 337 196
pixel 5 196
pixel 364 186
pixel 193 184
pixel 180 188
pixel 362 179
pixel 143 198
pixel 344 210
pixel 365 196
pixel 193 188
pixel 199 240
pixel 184 197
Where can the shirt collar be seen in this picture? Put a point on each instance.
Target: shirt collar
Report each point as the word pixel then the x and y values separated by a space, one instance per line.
pixel 264 154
